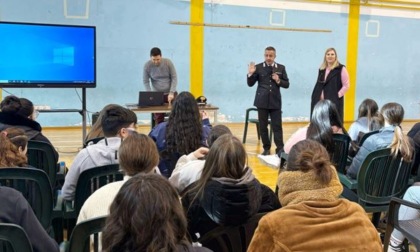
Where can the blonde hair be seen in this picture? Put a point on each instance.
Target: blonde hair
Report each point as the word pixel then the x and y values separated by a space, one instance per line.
pixel 393 114
pixel 324 64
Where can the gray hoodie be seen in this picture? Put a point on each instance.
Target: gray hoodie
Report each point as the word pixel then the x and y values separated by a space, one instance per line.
pixel 104 152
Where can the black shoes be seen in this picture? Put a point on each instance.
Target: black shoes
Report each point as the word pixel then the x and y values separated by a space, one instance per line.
pixel 265 152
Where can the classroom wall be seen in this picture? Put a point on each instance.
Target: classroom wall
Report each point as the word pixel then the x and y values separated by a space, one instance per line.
pixel 126 30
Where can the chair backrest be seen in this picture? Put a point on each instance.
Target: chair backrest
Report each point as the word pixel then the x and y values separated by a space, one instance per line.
pixel 231 238
pixel 409 228
pixel 13 239
pixel 41 156
pixel 35 187
pixel 381 177
pixel 366 135
pixel 80 237
pixel 341 150
pixel 247 115
pixel 92 141
pixel 92 179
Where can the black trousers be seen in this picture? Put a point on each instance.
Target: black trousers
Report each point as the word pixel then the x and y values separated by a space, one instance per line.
pixel 276 125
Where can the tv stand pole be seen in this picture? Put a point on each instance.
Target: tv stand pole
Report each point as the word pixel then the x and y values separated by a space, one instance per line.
pixel 83 114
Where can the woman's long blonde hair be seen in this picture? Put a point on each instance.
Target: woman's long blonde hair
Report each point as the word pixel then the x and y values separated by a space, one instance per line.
pixel 324 64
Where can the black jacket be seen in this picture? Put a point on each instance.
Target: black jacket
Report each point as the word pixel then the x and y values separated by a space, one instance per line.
pixel 414 133
pixel 32 128
pixel 15 209
pixel 268 94
pixel 330 86
pixel 226 204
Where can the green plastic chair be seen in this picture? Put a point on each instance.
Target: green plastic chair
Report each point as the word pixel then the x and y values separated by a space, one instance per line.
pixel 409 228
pixel 341 151
pixel 381 177
pixel 41 156
pixel 80 238
pixel 231 238
pixel 257 124
pixel 13 239
pixel 35 187
pixel 89 181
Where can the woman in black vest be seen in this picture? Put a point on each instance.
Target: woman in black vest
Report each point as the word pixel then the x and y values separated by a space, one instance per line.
pixel 332 83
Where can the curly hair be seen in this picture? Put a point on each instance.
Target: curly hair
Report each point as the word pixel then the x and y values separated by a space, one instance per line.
pixel 11 140
pixel 146 215
pixel 184 129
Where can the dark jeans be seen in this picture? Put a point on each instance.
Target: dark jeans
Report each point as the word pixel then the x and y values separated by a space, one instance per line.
pixel 276 125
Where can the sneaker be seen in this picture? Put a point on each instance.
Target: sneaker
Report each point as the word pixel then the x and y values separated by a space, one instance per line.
pixel 270 160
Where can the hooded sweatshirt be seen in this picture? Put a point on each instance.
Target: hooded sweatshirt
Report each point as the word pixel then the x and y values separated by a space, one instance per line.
pixel 225 201
pixel 105 152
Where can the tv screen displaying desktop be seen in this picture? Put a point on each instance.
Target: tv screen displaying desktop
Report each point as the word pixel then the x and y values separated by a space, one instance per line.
pixel 46 55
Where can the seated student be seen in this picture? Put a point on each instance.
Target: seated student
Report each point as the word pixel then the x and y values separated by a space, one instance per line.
pixel 189 167
pixel 325 121
pixel 117 123
pixel 13 147
pixel 405 213
pixel 184 132
pixel 20 112
pixel 227 192
pixel 414 133
pixel 313 217
pixel 146 216
pixel 389 136
pixel 96 129
pixel 375 124
pixel 15 209
pixel 137 154
pixel 367 109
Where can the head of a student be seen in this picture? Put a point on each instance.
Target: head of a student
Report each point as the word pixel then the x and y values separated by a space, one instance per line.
pixel 156 56
pixel 309 163
pixel 330 59
pixel 138 154
pixel 393 114
pixel 18 106
pixel 184 128
pixel 216 132
pixel 368 108
pixel 324 116
pixel 226 158
pixel 96 130
pixel 13 148
pixel 376 122
pixel 146 215
pixel 118 121
pixel 269 55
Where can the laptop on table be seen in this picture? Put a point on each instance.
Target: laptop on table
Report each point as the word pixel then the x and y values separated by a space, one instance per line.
pixel 151 98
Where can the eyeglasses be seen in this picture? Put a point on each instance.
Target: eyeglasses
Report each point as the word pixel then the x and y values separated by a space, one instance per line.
pixel 35 114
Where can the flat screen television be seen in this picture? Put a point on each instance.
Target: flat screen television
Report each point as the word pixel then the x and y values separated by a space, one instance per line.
pixel 47 55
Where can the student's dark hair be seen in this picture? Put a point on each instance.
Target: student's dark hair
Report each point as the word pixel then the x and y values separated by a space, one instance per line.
pixel 226 158
pixel 138 153
pixel 368 108
pixel 96 129
pixel 15 105
pixel 216 132
pixel 393 114
pixel 270 48
pixel 309 155
pixel 155 52
pixel 184 128
pixel 146 215
pixel 376 122
pixel 324 116
pixel 116 118
pixel 10 156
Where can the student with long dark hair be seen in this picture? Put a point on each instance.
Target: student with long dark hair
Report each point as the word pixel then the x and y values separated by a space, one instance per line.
pixel 367 110
pixel 20 112
pixel 184 132
pixel 146 215
pixel 313 217
pixel 227 192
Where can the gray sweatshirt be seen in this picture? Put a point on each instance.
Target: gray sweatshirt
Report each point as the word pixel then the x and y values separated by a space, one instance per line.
pixel 163 77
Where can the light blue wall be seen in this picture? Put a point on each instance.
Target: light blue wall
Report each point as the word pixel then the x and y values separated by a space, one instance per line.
pixel 126 30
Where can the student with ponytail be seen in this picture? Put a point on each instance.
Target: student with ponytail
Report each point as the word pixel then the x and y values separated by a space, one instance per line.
pixel 313 217
pixel 390 135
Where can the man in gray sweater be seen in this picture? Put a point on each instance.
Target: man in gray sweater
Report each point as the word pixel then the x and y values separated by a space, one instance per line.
pixel 117 123
pixel 161 73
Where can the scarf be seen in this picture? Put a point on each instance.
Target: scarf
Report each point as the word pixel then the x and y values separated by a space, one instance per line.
pixel 298 186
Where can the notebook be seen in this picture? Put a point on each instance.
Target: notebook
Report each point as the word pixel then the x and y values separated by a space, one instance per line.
pixel 150 98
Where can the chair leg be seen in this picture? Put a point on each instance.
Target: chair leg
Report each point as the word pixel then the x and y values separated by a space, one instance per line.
pixel 245 132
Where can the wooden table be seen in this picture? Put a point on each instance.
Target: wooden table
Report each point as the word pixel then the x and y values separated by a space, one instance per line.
pixel 166 109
